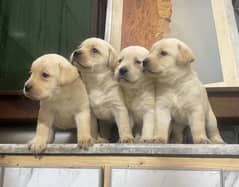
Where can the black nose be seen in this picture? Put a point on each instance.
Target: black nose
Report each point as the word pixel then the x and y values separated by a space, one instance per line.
pixel 76 54
pixel 145 62
pixel 28 88
pixel 123 70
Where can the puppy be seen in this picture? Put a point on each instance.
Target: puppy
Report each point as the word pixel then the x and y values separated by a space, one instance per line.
pixel 138 90
pixel 63 101
pixel 94 59
pixel 181 99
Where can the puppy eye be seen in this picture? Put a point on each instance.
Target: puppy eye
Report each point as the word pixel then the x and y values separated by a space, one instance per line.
pixel 163 53
pixel 94 50
pixel 120 60
pixel 45 75
pixel 138 62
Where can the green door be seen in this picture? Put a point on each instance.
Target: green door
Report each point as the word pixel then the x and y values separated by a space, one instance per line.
pixel 30 28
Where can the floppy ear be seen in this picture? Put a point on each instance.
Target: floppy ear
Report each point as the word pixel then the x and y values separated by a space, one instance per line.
pixel 112 58
pixel 68 73
pixel 185 54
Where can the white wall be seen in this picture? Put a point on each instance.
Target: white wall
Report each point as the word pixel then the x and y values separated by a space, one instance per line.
pixel 192 22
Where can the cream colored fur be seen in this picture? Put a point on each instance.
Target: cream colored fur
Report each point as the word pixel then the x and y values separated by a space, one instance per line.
pixel 63 101
pixel 95 58
pixel 138 91
pixel 181 99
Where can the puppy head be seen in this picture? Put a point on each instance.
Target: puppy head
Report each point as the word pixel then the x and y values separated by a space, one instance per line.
pixel 93 53
pixel 48 72
pixel 168 54
pixel 129 67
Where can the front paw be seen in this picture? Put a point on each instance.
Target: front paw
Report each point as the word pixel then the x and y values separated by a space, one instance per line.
pixel 176 140
pixel 101 140
pixel 37 145
pixel 127 139
pixel 146 140
pixel 160 140
pixel 217 140
pixel 85 142
pixel 202 141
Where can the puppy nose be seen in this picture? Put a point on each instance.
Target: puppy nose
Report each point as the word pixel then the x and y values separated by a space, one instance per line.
pixel 28 88
pixel 76 54
pixel 145 62
pixel 123 70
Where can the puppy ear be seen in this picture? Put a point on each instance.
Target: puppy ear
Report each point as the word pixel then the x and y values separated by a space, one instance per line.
pixel 68 73
pixel 112 58
pixel 185 54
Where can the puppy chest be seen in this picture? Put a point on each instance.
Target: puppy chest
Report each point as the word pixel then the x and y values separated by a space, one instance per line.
pixel 139 107
pixel 177 106
pixel 65 116
pixel 97 98
pixel 101 105
pixel 64 120
pixel 180 111
pixel 103 113
pixel 179 115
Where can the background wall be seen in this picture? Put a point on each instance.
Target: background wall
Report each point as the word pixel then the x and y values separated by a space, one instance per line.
pixel 28 29
pixel 192 21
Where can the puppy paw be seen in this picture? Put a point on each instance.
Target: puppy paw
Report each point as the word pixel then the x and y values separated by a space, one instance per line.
pixel 127 139
pixel 160 140
pixel 217 140
pixel 202 141
pixel 37 145
pixel 176 140
pixel 101 140
pixel 85 142
pixel 146 140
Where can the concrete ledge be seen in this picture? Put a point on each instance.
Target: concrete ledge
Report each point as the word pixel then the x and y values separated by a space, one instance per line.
pixel 227 150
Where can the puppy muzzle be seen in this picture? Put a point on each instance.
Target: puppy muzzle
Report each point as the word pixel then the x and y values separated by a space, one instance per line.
pixel 27 88
pixel 146 62
pixel 123 71
pixel 75 57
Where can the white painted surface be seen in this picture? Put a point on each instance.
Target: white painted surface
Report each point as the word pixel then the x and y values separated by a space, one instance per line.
pixel 232 22
pixel 164 178
pixel 1 175
pixel 193 23
pixel 22 135
pixel 231 178
pixel 108 21
pixel 54 177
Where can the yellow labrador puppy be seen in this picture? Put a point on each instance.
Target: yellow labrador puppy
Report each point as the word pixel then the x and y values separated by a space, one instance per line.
pixel 63 100
pixel 95 58
pixel 138 90
pixel 181 99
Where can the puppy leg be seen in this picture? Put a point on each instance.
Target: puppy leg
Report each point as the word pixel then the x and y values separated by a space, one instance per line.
pixel 162 125
pixel 131 121
pixel 94 125
pixel 84 138
pixel 105 128
pixel 136 128
pixel 212 130
pixel 95 132
pixel 148 127
pixel 43 132
pixel 197 125
pixel 123 124
pixel 177 133
pixel 51 137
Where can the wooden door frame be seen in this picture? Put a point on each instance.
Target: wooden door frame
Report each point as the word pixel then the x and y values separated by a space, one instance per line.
pixel 226 33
